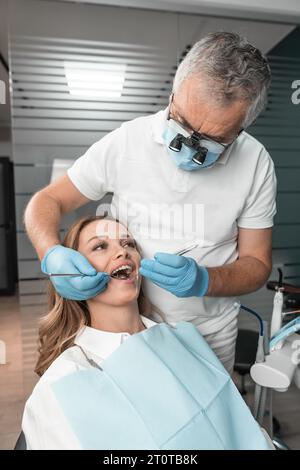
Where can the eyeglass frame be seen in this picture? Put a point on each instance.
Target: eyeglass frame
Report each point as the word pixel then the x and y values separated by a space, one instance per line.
pixel 198 134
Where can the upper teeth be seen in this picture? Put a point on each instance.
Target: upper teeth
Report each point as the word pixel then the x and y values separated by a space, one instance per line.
pixel 124 266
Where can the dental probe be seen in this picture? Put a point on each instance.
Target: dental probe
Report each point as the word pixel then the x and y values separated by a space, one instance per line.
pixel 185 250
pixel 75 275
pixel 66 274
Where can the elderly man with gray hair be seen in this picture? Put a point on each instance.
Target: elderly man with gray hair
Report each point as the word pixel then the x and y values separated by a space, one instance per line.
pixel 187 175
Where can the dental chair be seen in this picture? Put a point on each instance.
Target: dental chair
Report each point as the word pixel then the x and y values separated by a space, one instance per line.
pixel 21 442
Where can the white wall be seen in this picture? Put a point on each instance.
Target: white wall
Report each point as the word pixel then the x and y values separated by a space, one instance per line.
pixel 5 149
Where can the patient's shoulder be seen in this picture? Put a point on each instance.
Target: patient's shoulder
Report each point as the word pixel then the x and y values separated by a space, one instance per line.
pixel 69 361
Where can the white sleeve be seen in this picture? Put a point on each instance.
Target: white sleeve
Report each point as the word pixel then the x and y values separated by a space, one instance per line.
pixel 94 173
pixel 260 207
pixel 44 424
pixel 30 427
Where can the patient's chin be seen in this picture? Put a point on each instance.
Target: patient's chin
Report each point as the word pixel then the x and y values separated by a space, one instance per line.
pixel 118 296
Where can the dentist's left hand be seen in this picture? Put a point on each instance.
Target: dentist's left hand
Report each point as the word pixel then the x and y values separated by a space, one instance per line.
pixel 60 259
pixel 180 275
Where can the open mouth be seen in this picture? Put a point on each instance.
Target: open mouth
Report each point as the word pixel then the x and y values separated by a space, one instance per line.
pixel 123 272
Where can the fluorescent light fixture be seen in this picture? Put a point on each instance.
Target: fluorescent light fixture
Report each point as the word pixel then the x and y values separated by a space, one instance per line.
pixel 94 79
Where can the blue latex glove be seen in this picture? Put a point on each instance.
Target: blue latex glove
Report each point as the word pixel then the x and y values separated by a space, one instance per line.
pixel 59 259
pixel 180 275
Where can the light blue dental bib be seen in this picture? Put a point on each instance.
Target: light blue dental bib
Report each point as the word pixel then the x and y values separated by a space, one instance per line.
pixel 164 388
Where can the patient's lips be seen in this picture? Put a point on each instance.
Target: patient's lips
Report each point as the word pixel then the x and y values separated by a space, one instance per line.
pixel 124 272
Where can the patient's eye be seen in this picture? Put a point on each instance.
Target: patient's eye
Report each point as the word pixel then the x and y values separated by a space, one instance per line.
pixel 99 246
pixel 103 245
pixel 129 242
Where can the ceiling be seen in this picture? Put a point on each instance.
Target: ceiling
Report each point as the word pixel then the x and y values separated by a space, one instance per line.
pixel 268 10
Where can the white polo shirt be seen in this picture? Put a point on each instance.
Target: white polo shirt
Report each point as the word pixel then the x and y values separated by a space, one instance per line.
pixel 44 423
pixel 156 200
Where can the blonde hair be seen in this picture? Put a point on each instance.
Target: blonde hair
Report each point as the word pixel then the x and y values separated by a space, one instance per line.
pixel 58 329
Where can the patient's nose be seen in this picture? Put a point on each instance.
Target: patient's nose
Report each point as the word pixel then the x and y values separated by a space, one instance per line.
pixel 121 252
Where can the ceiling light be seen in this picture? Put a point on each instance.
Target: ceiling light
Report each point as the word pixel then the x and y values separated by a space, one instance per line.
pixel 95 79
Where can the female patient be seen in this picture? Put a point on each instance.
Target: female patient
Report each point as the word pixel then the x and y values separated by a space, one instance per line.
pixel 111 378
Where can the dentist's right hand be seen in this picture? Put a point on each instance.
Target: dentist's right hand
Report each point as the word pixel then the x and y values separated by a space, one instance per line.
pixel 59 259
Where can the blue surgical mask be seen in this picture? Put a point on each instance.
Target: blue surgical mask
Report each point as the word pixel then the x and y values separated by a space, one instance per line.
pixel 183 157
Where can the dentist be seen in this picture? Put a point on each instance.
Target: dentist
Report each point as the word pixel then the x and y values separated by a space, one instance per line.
pixel 189 172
